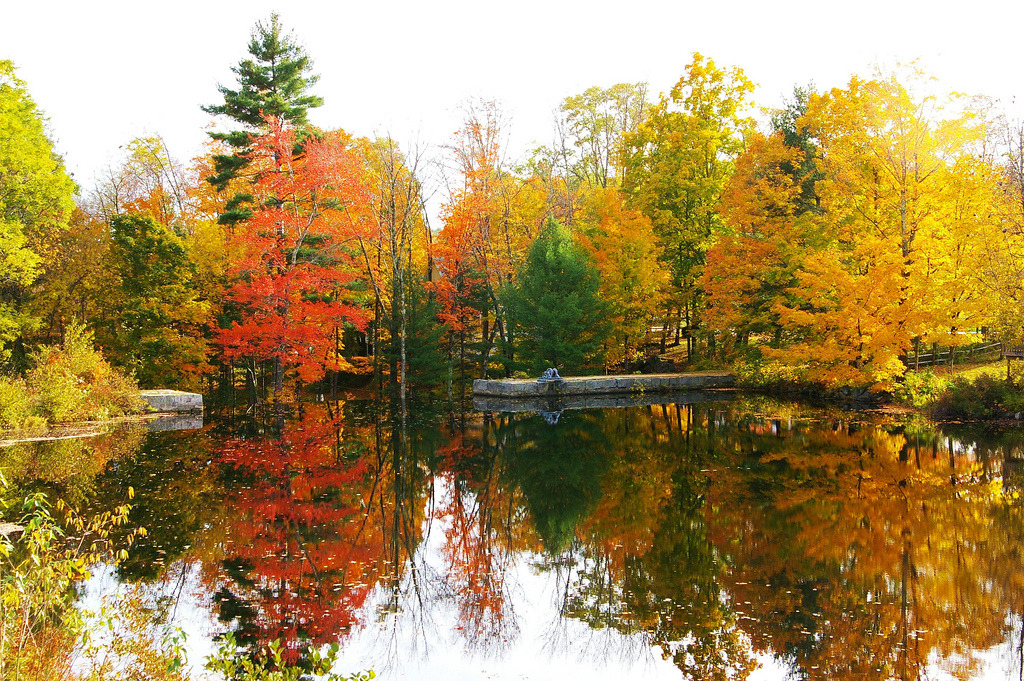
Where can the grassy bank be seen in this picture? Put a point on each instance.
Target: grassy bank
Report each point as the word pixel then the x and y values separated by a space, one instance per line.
pixel 970 392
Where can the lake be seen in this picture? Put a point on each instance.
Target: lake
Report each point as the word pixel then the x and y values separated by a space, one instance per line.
pixel 745 538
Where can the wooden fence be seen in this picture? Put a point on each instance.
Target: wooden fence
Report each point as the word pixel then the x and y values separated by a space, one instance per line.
pixel 953 354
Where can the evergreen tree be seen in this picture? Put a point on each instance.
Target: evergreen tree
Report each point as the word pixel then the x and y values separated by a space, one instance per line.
pixel 559 469
pixel 805 173
pixel 272 83
pixel 561 320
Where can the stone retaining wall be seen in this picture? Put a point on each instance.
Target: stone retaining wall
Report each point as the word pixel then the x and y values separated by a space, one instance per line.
pixel 563 402
pixel 602 385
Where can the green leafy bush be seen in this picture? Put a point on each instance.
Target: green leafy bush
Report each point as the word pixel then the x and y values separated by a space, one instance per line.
pixel 232 662
pixel 920 388
pixel 128 639
pixel 985 397
pixel 769 374
pixel 15 404
pixel 42 556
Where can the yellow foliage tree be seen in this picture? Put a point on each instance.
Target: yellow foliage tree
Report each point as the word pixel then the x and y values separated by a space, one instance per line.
pixel 898 184
pixel 625 249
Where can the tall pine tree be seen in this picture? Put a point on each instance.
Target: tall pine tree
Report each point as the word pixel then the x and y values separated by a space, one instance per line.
pixel 561 320
pixel 274 82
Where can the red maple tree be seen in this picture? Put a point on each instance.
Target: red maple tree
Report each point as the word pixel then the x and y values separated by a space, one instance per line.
pixel 292 261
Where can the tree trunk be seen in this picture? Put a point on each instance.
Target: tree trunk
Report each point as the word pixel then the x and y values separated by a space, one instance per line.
pixel 462 365
pixel 278 377
pixel 664 328
pixel 485 325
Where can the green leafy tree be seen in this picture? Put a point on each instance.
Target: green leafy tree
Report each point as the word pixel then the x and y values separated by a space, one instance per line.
pixel 677 164
pixel 804 169
pixel 427 365
pixel 158 330
pixel 555 305
pixel 594 123
pixel 274 82
pixel 36 202
pixel 559 469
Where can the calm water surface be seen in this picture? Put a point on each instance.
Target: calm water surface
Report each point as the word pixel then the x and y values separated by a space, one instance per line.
pixel 744 539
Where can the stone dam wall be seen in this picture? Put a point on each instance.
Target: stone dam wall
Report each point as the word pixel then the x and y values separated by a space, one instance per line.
pixel 563 402
pixel 602 385
pixel 172 401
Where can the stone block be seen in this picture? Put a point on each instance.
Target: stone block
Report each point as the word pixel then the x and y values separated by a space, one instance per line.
pixel 172 401
pixel 574 386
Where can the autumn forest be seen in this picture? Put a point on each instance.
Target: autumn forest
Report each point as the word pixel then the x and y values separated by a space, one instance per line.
pixel 833 239
pixel 342 504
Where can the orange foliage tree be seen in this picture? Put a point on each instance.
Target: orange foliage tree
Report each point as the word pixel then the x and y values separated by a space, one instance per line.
pixel 294 256
pixel 489 223
pixel 480 539
pixel 624 247
pixel 751 265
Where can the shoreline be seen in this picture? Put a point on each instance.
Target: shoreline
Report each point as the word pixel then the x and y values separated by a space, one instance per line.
pixel 77 429
pixel 85 429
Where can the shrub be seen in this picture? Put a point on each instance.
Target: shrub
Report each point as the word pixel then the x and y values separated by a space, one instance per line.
pixel 769 374
pixel 128 639
pixel 268 664
pixel 920 388
pixel 72 381
pixel 40 562
pixel 15 404
pixel 985 397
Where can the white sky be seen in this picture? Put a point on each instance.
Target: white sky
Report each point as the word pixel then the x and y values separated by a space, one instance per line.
pixel 105 71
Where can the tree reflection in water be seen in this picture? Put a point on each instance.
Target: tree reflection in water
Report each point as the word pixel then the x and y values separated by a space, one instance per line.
pixel 860 551
pixel 846 547
pixel 298 563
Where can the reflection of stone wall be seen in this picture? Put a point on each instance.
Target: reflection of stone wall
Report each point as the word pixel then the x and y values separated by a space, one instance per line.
pixel 602 385
pixel 557 403
pixel 187 422
pixel 172 400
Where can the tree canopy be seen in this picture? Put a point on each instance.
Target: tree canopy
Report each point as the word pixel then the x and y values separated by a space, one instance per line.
pixel 272 84
pixel 36 201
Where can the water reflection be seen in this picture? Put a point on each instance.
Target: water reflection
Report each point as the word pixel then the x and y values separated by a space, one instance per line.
pixel 708 535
